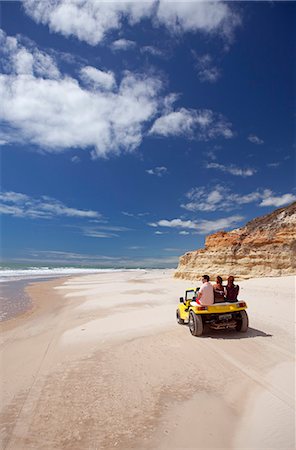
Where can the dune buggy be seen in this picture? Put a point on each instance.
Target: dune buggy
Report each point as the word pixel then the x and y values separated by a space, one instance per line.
pixel 218 316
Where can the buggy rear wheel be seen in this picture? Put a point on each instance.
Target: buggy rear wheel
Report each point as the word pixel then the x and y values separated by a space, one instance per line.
pixel 195 324
pixel 243 322
pixel 179 320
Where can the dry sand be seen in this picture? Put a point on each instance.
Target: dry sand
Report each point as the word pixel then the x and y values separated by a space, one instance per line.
pixel 100 363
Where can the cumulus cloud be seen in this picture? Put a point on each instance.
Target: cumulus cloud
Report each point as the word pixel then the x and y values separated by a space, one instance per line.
pixel 203 124
pixel 220 198
pixel 58 113
pixel 207 71
pixel 175 123
pixel 232 169
pixel 201 226
pixel 208 17
pixel 255 139
pixel 91 20
pixel 27 60
pixel 123 44
pixel 158 171
pixel 98 78
pixel 21 205
pixel 42 107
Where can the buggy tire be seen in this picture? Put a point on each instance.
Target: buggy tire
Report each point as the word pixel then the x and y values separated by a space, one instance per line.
pixel 195 324
pixel 243 323
pixel 179 320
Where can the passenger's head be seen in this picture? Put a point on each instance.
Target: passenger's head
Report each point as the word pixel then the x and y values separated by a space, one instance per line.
pixel 230 279
pixel 219 280
pixel 205 278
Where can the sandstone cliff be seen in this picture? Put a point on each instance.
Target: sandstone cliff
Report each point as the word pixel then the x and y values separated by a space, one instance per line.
pixel 266 246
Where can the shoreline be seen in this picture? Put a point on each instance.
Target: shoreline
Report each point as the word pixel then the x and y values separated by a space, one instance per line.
pixel 101 363
pixel 35 302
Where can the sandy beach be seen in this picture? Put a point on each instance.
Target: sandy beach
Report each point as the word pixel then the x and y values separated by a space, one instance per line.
pixel 99 362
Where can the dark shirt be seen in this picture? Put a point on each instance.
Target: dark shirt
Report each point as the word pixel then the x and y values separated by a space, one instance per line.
pixel 218 293
pixel 232 292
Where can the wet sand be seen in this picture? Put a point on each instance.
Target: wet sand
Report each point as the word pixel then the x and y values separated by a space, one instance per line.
pixel 15 300
pixel 101 363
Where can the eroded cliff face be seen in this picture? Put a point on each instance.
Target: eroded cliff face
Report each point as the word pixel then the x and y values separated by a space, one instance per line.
pixel 266 246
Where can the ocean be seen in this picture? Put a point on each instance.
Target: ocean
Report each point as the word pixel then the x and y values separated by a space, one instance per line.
pixel 15 277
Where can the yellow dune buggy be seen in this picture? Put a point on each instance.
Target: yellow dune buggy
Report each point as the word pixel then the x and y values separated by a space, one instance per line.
pixel 218 316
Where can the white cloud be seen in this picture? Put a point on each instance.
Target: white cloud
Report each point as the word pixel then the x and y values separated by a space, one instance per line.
pixel 26 60
pixel 255 139
pixel 201 226
pixel 184 233
pixel 75 159
pixel 22 205
pixel 42 107
pixel 91 20
pixel 123 44
pixel 176 123
pixel 201 199
pixel 202 124
pixel 209 226
pixel 209 17
pixel 98 78
pixel 158 171
pixel 274 165
pixel 220 198
pixel 13 197
pixel 206 69
pixel 277 201
pixel 168 102
pixel 58 114
pixel 175 223
pixel 232 169
pixel 88 20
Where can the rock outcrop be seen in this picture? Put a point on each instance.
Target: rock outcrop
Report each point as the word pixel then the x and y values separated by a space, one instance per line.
pixel 265 246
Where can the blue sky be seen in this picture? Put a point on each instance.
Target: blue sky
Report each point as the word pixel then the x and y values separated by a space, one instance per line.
pixel 130 131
